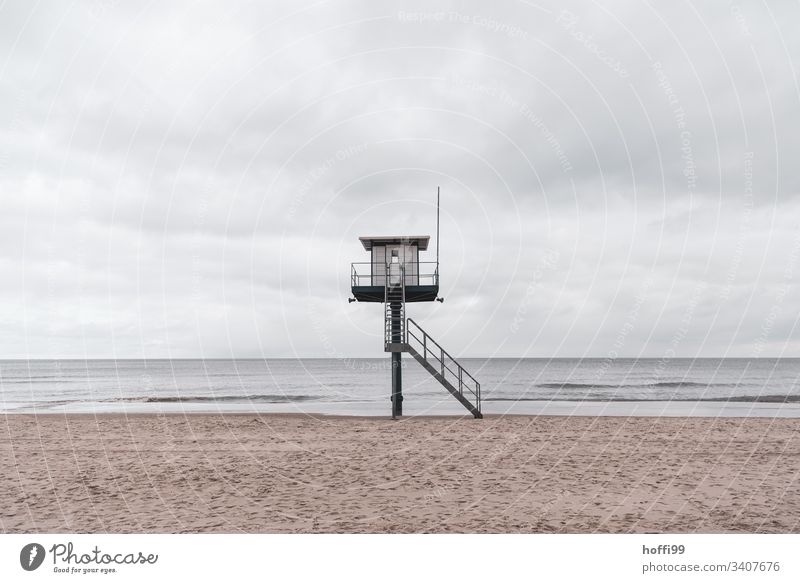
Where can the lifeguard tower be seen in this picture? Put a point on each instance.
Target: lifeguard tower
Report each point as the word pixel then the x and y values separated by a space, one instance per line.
pixel 395 276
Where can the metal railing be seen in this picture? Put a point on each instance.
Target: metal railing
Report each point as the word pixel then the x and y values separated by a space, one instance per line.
pixel 366 273
pixel 442 361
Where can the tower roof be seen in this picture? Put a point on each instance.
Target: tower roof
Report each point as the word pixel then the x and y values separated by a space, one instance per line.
pixel 420 241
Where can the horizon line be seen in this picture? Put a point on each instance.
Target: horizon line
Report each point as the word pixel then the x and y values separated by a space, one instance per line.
pixel 166 358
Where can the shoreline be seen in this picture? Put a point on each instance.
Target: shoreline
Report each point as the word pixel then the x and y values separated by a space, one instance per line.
pixel 445 408
pixel 387 417
pixel 298 473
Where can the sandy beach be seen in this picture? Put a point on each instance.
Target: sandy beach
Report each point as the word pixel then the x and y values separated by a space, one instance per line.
pixel 295 473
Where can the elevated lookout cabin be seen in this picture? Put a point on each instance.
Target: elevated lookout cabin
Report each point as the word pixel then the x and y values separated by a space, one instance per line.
pixel 391 256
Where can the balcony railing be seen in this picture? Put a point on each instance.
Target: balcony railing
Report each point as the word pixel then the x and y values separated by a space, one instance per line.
pixel 366 273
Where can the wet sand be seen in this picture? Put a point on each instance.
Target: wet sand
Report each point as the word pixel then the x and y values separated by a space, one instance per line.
pixel 296 473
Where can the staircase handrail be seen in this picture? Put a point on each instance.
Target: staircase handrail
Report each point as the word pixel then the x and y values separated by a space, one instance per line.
pixel 463 370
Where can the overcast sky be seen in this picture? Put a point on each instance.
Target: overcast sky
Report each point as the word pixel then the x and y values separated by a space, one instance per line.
pixel 190 179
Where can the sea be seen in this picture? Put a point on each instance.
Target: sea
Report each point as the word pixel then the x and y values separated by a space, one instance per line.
pixel 361 386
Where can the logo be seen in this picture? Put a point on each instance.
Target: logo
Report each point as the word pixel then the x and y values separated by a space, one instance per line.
pixel 31 556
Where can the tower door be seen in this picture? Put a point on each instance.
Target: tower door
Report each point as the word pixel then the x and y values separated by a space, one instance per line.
pixel 406 256
pixel 394 260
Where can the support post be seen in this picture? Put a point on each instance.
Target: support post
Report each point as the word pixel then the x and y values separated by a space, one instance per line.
pixel 397 385
pixel 397 370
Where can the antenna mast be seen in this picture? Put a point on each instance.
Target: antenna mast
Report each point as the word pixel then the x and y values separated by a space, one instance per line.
pixel 437 229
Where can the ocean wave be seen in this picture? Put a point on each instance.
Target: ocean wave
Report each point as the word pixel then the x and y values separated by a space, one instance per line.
pixel 52 380
pixel 661 384
pixel 600 399
pixel 274 398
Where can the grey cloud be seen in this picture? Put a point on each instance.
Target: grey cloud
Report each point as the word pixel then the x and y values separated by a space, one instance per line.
pixel 191 180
